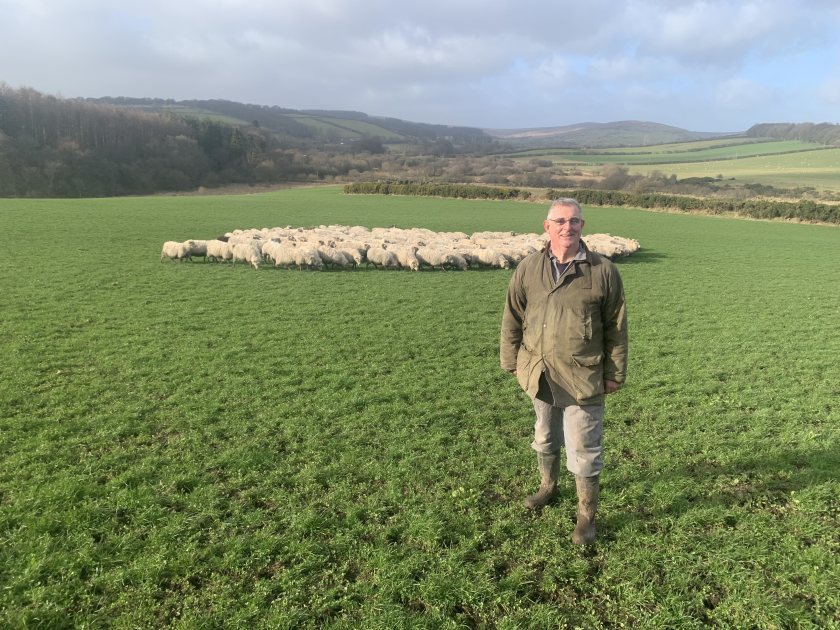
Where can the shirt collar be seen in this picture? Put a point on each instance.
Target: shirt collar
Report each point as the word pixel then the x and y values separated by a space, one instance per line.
pixel 581 255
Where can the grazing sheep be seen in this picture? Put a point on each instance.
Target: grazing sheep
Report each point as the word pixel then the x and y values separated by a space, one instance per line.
pixel 281 254
pixel 342 247
pixel 219 250
pixel 335 257
pixel 406 256
pixel 357 250
pixel 308 257
pixel 246 252
pixel 246 239
pixel 434 257
pixel 379 257
pixel 197 248
pixel 457 261
pixel 611 246
pixel 175 250
pixel 491 258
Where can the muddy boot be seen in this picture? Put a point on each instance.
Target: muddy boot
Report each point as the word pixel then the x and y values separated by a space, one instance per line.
pixel 587 491
pixel 549 465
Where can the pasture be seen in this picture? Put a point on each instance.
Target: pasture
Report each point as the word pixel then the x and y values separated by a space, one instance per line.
pixel 819 169
pixel 678 153
pixel 200 445
pixel 786 164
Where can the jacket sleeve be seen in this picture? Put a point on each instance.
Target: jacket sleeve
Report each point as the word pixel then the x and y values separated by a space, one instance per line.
pixel 614 316
pixel 512 318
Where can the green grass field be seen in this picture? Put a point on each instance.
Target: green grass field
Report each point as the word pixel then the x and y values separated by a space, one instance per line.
pixel 785 164
pixel 818 169
pixel 346 128
pixel 205 446
pixel 696 145
pixel 671 154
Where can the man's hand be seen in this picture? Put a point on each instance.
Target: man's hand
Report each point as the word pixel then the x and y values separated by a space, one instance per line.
pixel 611 387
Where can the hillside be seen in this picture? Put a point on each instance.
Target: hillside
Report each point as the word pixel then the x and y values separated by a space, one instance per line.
pixel 306 126
pixel 341 126
pixel 627 133
pixel 55 147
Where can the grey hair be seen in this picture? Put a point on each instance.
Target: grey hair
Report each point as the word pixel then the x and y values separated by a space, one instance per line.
pixel 565 201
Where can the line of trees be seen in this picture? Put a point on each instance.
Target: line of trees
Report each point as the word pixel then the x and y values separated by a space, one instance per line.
pixel 432 189
pixel 805 209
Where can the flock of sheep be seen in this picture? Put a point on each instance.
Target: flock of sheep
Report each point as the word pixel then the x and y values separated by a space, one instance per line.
pixel 342 247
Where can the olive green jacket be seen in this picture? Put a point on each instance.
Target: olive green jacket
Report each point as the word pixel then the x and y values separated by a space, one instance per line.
pixel 576 330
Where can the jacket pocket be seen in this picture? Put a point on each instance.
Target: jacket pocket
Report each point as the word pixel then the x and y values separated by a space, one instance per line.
pixel 524 366
pixel 588 375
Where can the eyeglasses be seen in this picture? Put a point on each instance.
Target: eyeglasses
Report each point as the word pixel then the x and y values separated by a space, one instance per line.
pixel 561 222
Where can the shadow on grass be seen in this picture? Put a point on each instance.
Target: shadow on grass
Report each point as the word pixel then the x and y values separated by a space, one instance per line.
pixel 640 257
pixel 772 484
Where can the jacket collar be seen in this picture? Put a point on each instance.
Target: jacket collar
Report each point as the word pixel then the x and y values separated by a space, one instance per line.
pixel 583 272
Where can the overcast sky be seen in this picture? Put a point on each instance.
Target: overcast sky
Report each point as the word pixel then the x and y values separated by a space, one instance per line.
pixel 712 65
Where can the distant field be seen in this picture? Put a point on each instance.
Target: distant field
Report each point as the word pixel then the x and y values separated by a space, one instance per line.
pixel 672 154
pixel 819 169
pixel 199 445
pixel 347 129
pixel 202 114
pixel 682 147
pixel 656 148
pixel 782 164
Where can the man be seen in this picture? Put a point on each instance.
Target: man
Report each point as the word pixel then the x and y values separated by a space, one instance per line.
pixel 564 337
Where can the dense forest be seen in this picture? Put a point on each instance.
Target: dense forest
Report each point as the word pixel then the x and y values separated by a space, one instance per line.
pixel 51 147
pixel 55 147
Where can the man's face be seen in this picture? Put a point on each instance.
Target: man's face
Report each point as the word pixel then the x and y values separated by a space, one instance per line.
pixel 564 227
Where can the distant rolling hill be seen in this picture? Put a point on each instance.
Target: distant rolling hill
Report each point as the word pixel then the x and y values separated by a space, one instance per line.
pixel 333 126
pixel 626 133
pixel 340 126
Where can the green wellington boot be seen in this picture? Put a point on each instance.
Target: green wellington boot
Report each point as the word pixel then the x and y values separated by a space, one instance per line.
pixel 587 491
pixel 549 465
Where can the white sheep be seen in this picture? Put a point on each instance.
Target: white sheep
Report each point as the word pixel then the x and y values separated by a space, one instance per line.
pixel 611 246
pixel 175 250
pixel 406 256
pixel 435 257
pixel 307 257
pixel 357 254
pixel 379 257
pixel 280 254
pixel 247 252
pixel 491 258
pixel 219 250
pixel 335 257
pixel 246 238
pixel 333 244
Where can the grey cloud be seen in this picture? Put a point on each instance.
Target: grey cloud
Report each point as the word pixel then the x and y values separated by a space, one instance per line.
pixel 505 63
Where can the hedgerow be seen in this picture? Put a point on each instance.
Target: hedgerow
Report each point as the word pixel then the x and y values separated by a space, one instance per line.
pixel 430 189
pixel 803 209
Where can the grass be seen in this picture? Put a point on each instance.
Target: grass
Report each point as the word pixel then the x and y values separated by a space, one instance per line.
pixel 818 169
pixel 199 445
pixel 785 164
pixel 346 128
pixel 690 153
pixel 695 145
